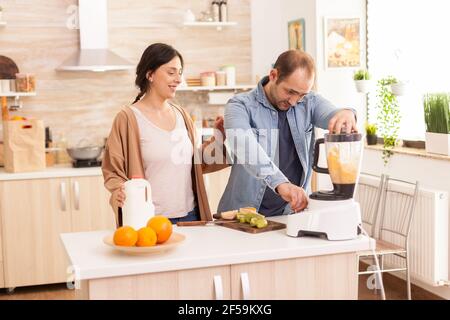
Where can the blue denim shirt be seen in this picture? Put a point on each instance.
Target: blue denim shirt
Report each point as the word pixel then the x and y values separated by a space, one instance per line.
pixel 250 116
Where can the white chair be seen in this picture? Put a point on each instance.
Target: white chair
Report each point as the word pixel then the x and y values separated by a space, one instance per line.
pixel 392 225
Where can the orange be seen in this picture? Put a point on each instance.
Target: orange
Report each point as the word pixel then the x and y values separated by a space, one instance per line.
pixel 162 227
pixel 146 237
pixel 125 236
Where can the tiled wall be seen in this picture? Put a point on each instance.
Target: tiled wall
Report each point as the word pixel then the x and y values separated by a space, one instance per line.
pixel 80 105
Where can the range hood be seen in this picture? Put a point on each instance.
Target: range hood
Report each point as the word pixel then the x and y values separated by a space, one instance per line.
pixel 94 54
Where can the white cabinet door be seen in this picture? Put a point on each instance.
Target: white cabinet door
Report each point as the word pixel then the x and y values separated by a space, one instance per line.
pixel 34 213
pixel 320 277
pixel 204 284
pixel 90 205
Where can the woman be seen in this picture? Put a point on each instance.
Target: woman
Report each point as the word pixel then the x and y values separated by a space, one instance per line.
pixel 155 139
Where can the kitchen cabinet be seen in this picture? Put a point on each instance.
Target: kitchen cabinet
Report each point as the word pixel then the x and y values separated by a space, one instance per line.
pixel 323 277
pixel 195 284
pixel 319 277
pixel 35 212
pixel 90 205
pixel 269 265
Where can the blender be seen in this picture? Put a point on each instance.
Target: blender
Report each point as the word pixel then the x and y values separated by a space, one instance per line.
pixel 333 213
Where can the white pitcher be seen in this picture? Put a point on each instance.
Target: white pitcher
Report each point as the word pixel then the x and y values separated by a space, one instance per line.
pixel 138 207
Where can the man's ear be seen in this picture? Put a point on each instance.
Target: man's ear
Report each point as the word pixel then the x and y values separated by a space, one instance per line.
pixel 273 75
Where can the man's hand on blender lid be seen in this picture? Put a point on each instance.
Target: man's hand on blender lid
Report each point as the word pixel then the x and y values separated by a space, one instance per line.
pixel 295 195
pixel 344 120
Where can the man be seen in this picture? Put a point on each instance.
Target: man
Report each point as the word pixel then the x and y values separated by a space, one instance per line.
pixel 270 134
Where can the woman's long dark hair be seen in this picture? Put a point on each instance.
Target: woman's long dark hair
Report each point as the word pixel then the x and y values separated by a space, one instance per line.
pixel 153 57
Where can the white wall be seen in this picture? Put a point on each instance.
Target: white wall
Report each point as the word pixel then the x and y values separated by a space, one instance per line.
pixel 269 38
pixel 270 30
pixel 337 84
pixel 267 35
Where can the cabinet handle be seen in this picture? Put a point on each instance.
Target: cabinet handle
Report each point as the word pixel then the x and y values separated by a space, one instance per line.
pixel 76 190
pixel 245 286
pixel 63 196
pixel 218 287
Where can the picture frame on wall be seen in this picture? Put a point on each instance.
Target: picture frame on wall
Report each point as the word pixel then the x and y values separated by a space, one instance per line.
pixel 342 42
pixel 296 34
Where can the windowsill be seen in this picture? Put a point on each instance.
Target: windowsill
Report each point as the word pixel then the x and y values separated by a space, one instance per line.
pixel 411 152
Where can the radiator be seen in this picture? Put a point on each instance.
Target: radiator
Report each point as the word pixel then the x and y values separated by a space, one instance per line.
pixel 428 241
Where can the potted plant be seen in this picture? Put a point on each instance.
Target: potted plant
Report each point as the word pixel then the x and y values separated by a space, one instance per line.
pixel 437 120
pixel 388 116
pixel 398 88
pixel 362 81
pixel 371 134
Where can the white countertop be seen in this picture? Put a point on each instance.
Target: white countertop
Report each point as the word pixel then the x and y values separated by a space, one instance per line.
pixel 58 171
pixel 205 246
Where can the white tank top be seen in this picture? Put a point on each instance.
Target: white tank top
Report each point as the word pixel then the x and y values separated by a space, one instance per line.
pixel 167 159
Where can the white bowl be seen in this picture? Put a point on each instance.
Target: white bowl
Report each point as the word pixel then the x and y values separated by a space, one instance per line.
pixel 174 240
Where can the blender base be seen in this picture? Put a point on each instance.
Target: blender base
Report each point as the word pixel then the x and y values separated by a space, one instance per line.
pixel 337 220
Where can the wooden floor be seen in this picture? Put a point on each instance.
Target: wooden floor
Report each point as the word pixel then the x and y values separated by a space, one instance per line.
pixel 395 290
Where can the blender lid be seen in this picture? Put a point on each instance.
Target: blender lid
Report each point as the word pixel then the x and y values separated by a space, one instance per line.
pixel 343 137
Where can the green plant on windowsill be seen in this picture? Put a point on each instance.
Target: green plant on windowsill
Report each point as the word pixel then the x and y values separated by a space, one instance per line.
pixel 388 116
pixel 371 129
pixel 436 108
pixel 361 74
pixel 362 81
pixel 437 112
pixel 371 134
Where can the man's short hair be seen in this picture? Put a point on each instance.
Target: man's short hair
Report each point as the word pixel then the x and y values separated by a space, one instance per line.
pixel 291 60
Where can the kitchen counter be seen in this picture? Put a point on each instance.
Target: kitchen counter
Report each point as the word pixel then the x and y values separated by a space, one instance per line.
pixel 58 171
pixel 204 247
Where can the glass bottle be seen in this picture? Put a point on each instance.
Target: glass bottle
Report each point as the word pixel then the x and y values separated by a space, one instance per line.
pixel 215 8
pixel 223 11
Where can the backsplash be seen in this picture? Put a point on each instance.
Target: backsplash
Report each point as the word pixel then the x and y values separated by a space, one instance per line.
pixel 83 105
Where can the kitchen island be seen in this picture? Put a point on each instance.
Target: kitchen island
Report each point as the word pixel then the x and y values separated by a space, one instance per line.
pixel 215 262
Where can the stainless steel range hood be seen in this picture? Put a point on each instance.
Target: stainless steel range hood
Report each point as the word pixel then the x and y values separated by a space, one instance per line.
pixel 94 54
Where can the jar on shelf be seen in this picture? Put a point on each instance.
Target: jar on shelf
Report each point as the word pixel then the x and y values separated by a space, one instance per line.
pixel 25 82
pixel 208 79
pixel 31 79
pixel 231 75
pixel 21 82
pixel 221 78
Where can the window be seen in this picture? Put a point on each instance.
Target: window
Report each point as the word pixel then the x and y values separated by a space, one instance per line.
pixel 409 39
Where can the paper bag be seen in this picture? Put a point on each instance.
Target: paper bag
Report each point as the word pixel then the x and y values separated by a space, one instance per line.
pixel 24 145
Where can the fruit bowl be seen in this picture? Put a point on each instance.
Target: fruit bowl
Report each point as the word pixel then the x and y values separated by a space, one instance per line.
pixel 174 240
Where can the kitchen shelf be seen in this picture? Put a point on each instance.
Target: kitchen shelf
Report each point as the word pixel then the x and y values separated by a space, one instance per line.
pixel 217 88
pixel 218 25
pixel 17 94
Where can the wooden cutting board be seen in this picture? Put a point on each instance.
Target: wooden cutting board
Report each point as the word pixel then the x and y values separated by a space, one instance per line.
pixel 245 227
